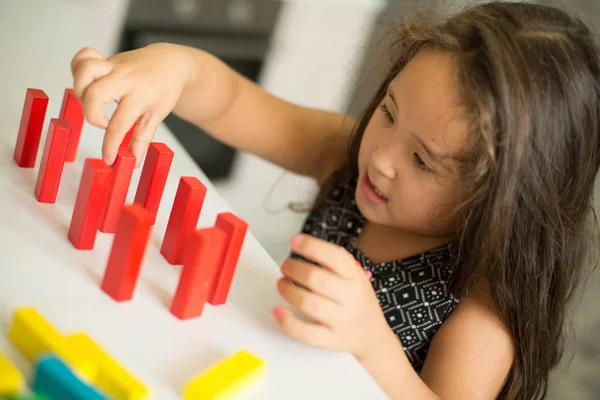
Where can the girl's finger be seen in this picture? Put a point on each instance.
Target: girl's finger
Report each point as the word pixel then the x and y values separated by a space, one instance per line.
pixel 85 54
pixel 143 133
pixel 306 332
pixel 88 72
pixel 326 254
pixel 124 117
pixel 314 306
pixel 316 279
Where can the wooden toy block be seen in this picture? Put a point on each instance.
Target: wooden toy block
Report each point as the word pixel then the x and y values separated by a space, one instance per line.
pixel 56 381
pixel 227 378
pixel 91 198
pixel 236 232
pixel 127 253
pixel 117 192
pixel 11 380
pixel 183 219
pixel 112 379
pixel 30 128
pixel 33 335
pixel 127 138
pixel 204 250
pixel 72 111
pixel 154 177
pixel 53 160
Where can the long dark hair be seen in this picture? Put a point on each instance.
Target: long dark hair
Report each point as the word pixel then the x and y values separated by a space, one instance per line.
pixel 530 81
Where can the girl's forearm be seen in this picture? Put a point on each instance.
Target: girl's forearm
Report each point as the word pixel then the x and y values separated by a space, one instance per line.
pixel 241 114
pixel 388 365
pixel 211 86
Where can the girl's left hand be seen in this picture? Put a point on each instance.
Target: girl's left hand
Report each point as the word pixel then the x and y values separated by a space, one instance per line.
pixel 336 294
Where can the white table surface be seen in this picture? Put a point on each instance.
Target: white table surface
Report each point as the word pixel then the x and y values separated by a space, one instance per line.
pixel 39 267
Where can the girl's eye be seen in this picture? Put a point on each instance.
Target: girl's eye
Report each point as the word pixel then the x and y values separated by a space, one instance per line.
pixel 421 164
pixel 387 114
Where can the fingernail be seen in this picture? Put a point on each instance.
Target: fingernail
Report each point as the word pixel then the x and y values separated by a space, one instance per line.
pixel 369 274
pixel 296 241
pixel 278 312
pixel 106 161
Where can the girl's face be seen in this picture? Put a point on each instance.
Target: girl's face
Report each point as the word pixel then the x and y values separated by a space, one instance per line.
pixel 407 172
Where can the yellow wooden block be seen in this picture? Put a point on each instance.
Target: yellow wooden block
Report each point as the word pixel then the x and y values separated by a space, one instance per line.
pixel 226 378
pixel 11 379
pixel 33 336
pixel 113 379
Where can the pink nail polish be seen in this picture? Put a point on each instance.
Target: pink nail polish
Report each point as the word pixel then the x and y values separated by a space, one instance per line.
pixel 369 274
pixel 296 241
pixel 278 312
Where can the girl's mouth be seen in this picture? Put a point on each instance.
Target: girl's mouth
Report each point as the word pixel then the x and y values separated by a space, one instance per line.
pixel 373 194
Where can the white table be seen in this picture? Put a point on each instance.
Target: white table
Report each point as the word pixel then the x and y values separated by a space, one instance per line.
pixel 40 267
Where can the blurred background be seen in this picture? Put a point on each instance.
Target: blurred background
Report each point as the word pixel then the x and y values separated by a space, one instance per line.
pixel 312 52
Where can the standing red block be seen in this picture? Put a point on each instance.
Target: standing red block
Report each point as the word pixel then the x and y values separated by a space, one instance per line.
pixel 154 177
pixel 117 193
pixel 89 204
pixel 128 137
pixel 201 262
pixel 127 253
pixel 236 232
pixel 72 112
pixel 53 160
pixel 30 129
pixel 183 219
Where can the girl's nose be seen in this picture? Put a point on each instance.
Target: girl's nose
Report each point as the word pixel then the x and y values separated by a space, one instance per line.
pixel 383 162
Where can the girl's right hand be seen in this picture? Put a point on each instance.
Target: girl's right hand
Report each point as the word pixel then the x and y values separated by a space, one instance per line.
pixel 146 84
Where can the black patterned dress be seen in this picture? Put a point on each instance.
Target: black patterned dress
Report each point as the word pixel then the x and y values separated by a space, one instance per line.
pixel 413 292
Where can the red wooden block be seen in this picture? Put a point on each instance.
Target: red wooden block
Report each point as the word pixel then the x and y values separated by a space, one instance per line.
pixel 236 232
pixel 71 111
pixel 154 177
pixel 89 204
pixel 183 219
pixel 127 138
pixel 53 160
pixel 117 193
pixel 201 261
pixel 127 253
pixel 30 129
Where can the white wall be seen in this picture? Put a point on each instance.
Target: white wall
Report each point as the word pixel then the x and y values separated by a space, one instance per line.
pixel 38 38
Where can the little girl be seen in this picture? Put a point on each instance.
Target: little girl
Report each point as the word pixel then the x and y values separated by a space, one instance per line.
pixel 464 191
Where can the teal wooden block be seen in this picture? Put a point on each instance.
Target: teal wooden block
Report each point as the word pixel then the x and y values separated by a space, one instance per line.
pixel 56 381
